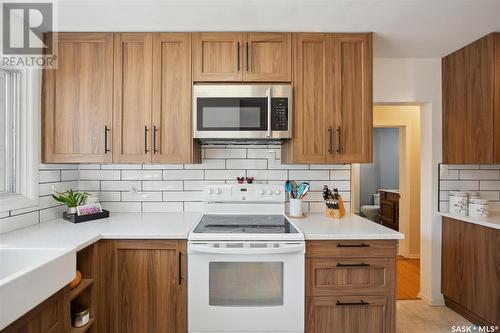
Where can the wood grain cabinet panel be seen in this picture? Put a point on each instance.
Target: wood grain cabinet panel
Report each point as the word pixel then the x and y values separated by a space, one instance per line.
pixel 50 316
pixel 77 100
pixel 217 56
pixel 470 271
pixel 172 140
pixel 349 314
pixel 353 98
pixel 332 80
pixel 133 57
pixel 471 102
pixel 268 57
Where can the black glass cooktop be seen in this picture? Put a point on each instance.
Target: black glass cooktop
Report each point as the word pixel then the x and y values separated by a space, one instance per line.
pixel 245 224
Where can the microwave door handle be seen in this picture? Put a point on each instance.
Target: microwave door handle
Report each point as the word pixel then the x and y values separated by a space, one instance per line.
pixel 205 248
pixel 268 95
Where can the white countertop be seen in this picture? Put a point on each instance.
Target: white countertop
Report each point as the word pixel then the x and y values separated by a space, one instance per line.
pixel 390 190
pixel 492 221
pixel 351 226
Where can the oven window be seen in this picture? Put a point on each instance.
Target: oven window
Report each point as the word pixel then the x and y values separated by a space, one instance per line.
pixel 232 114
pixel 246 283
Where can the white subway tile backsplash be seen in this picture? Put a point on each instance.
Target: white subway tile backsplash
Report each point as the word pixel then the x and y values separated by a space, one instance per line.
pixel 100 174
pixel 309 175
pixel 141 175
pixel 198 185
pixel 109 196
pixel 47 188
pixel 462 185
pixel 268 174
pixel 183 174
pixel 130 207
pixel 67 175
pixel 276 164
pixel 246 164
pixel 271 153
pixel 193 206
pixel 479 174
pixel 489 185
pixel 224 174
pixel 225 153
pixel 340 175
pixel 162 207
pixel 161 166
pixel 162 185
pixel 183 196
pixel 52 213
pixel 141 196
pixel 89 185
pixel 87 166
pixel 121 185
pixel 341 185
pixel 49 176
pixel 208 164
pixel 121 166
pixel 58 166
pixel 18 221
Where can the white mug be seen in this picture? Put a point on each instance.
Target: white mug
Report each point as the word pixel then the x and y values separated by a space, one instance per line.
pixel 296 208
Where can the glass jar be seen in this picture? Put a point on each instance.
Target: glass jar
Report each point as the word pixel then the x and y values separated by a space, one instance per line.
pixel 458 203
pixel 81 318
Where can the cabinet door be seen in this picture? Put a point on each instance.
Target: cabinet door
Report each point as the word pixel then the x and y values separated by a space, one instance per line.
pixel 348 314
pixel 133 56
pixel 172 124
pixel 78 100
pixel 217 56
pixel 313 104
pixel 151 286
pixel 353 98
pixel 268 57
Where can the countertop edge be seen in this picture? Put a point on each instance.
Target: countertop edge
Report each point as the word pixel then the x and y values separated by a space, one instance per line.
pixel 495 224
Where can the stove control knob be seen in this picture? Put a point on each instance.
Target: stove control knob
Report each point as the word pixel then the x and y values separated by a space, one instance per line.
pixel 270 192
pixel 261 191
pixel 277 192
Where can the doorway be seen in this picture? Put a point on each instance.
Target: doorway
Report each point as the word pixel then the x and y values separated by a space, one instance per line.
pixel 396 170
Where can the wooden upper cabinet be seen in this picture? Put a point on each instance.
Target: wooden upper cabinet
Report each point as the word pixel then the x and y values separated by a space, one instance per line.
pixel 217 56
pixel 353 98
pixel 313 103
pixel 133 57
pixel 471 103
pixel 332 80
pixel 268 57
pixel 172 124
pixel 77 100
pixel 235 56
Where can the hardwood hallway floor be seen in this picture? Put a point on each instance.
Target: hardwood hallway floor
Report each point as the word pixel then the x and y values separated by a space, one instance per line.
pixel 408 278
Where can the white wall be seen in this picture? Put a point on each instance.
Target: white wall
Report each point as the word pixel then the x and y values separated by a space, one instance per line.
pixel 419 81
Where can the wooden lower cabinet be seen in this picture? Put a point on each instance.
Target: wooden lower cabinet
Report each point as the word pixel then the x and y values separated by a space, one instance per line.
pixel 50 316
pixel 471 271
pixel 143 286
pixel 389 209
pixel 350 286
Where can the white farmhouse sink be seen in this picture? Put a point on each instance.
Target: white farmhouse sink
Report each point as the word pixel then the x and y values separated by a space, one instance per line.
pixel 28 276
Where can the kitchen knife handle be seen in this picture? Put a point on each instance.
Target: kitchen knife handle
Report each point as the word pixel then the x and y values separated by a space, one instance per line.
pixel 106 130
pixel 155 130
pixel 180 268
pixel 238 55
pixel 146 130
pixel 330 139
pixel 361 302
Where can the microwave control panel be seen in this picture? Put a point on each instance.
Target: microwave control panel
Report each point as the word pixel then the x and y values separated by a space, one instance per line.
pixel 279 114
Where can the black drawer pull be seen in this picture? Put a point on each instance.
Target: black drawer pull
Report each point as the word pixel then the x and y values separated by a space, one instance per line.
pixel 179 266
pixel 361 302
pixel 361 264
pixel 353 245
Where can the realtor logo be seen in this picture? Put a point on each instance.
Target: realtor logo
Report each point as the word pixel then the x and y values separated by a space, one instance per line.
pixel 23 27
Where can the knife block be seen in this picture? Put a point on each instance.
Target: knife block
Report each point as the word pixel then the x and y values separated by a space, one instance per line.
pixel 336 213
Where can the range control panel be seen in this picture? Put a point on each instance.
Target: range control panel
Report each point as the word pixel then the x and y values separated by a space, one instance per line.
pixel 245 193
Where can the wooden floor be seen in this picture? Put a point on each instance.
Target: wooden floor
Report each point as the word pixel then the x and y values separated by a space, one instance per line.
pixel 408 278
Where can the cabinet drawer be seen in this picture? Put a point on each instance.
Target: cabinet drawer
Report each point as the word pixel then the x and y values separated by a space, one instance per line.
pixel 353 276
pixel 350 314
pixel 350 249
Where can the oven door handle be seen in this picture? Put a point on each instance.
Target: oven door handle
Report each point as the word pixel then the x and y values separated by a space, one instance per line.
pixel 283 248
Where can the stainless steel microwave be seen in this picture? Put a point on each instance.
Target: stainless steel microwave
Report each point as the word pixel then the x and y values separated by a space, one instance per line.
pixel 242 111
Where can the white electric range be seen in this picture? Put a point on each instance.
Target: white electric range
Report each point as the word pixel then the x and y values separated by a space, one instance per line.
pixel 245 263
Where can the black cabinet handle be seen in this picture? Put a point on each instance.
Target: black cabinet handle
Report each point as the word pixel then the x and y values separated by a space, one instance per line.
pixel 361 264
pixel 180 268
pixel 361 302
pixel 238 55
pixel 248 57
pixel 338 136
pixel 106 130
pixel 155 130
pixel 146 130
pixel 353 245
pixel 330 139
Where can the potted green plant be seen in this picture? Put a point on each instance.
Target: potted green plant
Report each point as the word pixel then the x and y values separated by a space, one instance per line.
pixel 71 199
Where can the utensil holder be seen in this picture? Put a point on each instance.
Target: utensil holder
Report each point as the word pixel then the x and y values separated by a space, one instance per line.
pixel 336 213
pixel 296 208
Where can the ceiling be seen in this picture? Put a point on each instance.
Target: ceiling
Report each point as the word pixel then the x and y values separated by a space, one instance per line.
pixel 403 28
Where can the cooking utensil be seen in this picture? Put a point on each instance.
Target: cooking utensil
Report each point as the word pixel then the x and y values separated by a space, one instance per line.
pixel 288 188
pixel 294 189
pixel 303 189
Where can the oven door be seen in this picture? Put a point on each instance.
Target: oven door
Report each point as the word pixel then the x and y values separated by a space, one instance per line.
pixel 246 287
pixel 241 111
